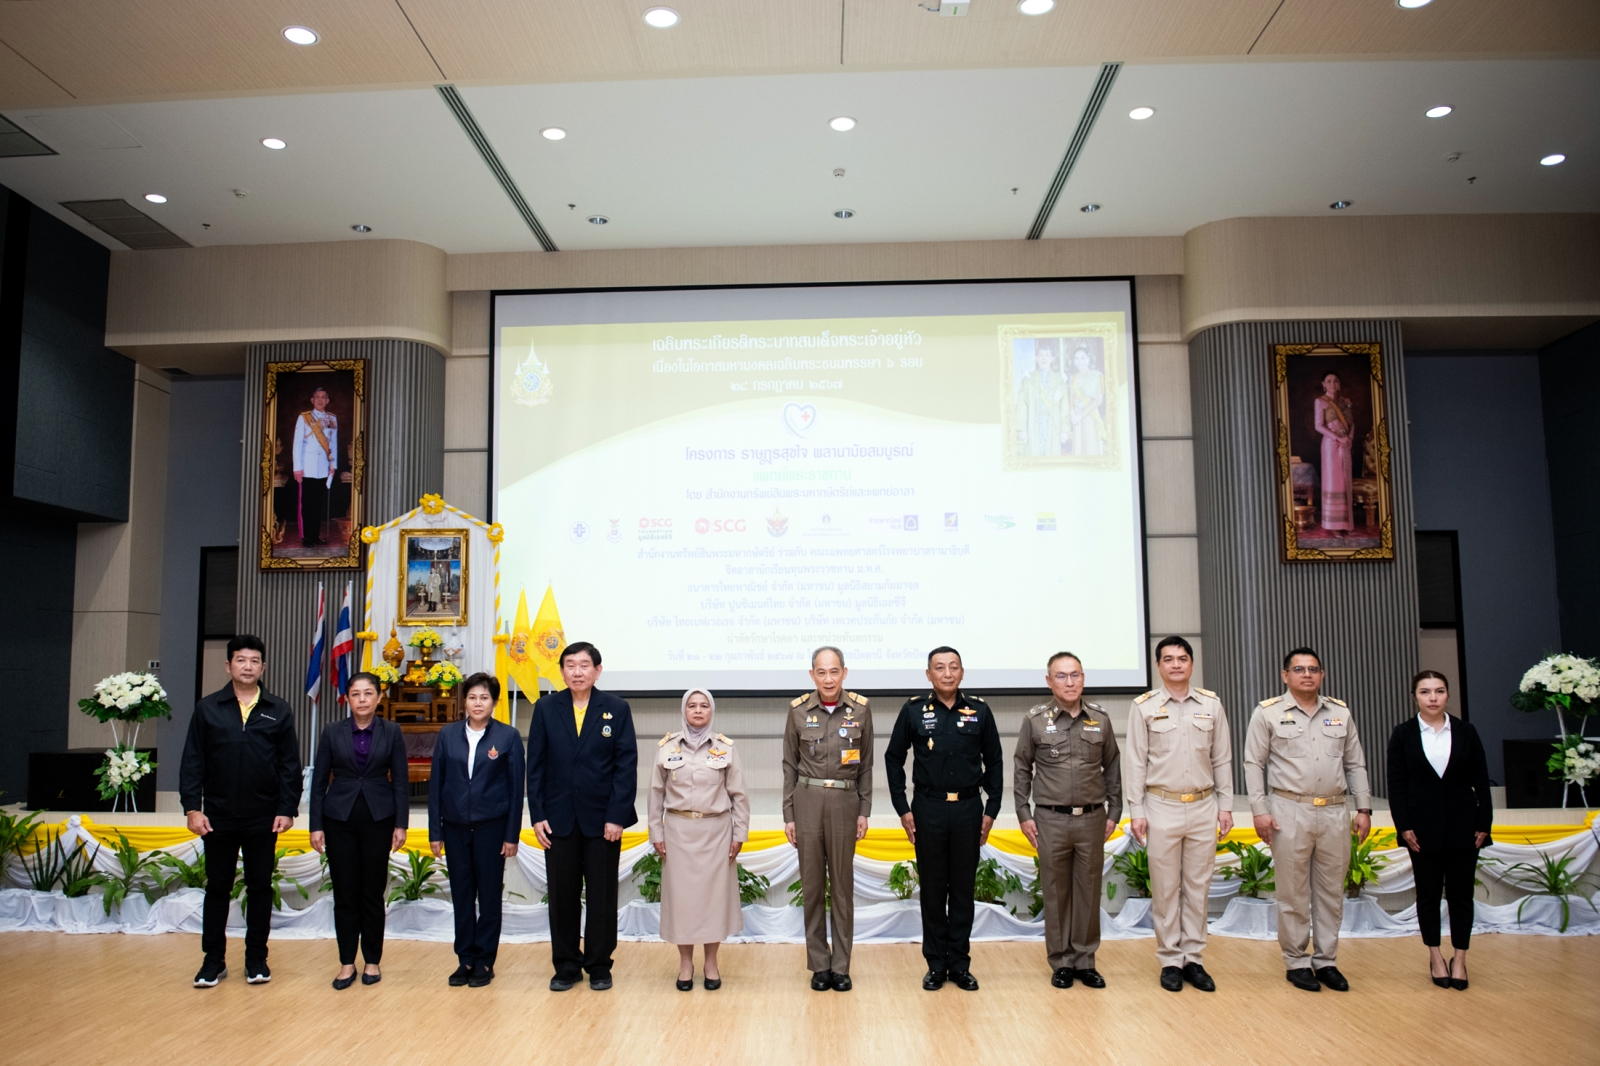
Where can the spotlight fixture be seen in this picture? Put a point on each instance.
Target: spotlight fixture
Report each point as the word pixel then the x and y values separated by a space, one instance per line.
pixel 1089 209
pixel 844 212
pixel 1035 7
pixel 362 227
pixel 598 220
pixel 277 144
pixel 1410 4
pixel 300 35
pixel 1139 114
pixel 662 18
pixel 1554 159
pixel 553 133
pixel 1439 112
pixel 157 198
pixel 842 124
pixel 1340 205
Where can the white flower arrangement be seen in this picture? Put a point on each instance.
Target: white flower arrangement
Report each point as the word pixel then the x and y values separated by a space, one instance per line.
pixel 127 697
pixel 1564 675
pixel 123 769
pixel 1580 763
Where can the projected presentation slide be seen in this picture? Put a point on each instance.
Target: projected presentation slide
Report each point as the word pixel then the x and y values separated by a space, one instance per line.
pixel 713 482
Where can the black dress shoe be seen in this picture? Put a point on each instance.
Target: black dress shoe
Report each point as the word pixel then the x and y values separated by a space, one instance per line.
pixel 822 980
pixel 1303 979
pixel 481 975
pixel 686 986
pixel 1090 977
pixel 713 983
pixel 599 982
pixel 1442 982
pixel 932 981
pixel 371 978
pixel 460 976
pixel 342 983
pixel 1458 983
pixel 557 983
pixel 1172 979
pixel 1062 978
pixel 964 981
pixel 1330 976
pixel 841 982
pixel 1196 975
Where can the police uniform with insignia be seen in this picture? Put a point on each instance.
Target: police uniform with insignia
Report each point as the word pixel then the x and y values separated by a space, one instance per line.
pixel 955 752
pixel 1313 762
pixel 1068 766
pixel 827 785
pixel 1180 776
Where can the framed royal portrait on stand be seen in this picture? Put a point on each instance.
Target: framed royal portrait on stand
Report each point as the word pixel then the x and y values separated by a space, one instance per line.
pixel 433 577
pixel 1331 436
pixel 313 465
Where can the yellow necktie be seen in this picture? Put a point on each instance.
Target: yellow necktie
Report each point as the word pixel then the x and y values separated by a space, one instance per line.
pixel 577 714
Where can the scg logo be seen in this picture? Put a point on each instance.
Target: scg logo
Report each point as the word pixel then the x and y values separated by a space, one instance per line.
pixel 655 523
pixel 720 525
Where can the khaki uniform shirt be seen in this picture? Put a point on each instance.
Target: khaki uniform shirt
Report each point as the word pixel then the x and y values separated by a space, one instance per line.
pixel 825 745
pixel 1179 746
pixel 707 779
pixel 1317 754
pixel 1062 761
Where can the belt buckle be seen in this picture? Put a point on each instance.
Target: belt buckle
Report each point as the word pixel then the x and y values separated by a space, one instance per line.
pixel 1078 811
pixel 1319 801
pixel 1187 797
pixel 951 797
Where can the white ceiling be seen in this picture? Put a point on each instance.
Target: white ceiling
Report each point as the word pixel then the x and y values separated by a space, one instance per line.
pixel 749 160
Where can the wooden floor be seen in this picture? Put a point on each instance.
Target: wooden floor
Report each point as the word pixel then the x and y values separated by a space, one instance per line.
pixel 126 999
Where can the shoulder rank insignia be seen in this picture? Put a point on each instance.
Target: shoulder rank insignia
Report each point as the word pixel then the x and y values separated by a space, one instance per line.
pixel 1147 695
pixel 662 742
pixel 724 739
pixel 856 697
pixel 1271 701
pixel 1335 701
pixel 1033 712
pixel 1206 692
pixel 798 700
pixel 1092 706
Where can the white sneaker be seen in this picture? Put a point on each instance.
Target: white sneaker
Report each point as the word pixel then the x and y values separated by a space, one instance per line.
pixel 257 975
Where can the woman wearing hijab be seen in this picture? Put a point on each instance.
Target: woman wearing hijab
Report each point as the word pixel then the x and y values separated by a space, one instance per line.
pixel 699 819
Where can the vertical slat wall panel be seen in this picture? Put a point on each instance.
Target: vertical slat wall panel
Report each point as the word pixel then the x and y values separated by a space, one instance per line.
pixel 1361 616
pixel 404 460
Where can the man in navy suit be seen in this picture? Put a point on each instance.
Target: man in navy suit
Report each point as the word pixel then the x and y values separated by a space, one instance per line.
pixel 475 813
pixel 582 774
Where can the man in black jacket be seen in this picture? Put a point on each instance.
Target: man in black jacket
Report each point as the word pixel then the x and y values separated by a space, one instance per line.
pixel 240 786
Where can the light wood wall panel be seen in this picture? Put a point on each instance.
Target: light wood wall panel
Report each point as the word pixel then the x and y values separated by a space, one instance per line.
pixel 1172 566
pixel 469 324
pixel 1164 391
pixel 466 403
pixel 1158 305
pixel 1169 488
pixel 1482 27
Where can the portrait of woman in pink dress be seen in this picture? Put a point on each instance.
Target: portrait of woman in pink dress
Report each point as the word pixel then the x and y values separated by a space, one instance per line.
pixel 1334 418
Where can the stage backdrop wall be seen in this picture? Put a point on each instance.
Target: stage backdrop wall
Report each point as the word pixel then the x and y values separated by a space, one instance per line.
pixel 1571 391
pixel 1362 617
pixel 405 459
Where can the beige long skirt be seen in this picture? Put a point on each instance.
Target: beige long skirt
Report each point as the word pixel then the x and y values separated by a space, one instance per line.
pixel 699 886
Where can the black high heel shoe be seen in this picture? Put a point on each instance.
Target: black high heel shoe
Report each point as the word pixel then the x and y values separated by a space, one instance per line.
pixel 686 986
pixel 1442 982
pixel 1457 983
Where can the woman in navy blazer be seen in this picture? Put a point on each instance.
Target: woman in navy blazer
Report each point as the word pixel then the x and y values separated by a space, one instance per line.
pixel 475 814
pixel 360 808
pixel 1439 796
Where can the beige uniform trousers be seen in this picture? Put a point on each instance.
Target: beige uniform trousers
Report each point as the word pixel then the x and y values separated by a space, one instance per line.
pixel 1071 863
pixel 825 833
pixel 1310 858
pixel 1183 854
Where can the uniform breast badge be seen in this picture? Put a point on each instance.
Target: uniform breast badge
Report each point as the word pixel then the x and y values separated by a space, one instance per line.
pixel 605 731
pixel 494 753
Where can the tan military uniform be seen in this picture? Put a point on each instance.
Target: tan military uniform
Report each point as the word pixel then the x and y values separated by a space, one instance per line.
pixel 1180 776
pixel 827 785
pixel 698 808
pixel 1069 768
pixel 1313 763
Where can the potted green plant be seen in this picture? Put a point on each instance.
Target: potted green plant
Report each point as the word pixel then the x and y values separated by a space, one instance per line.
pixel 1134 867
pixel 124 702
pixel 1247 914
pixel 1364 864
pixel 1552 884
pixel 993 882
pixel 647 872
pixel 1569 685
pixel 753 887
pixel 904 879
pixel 135 882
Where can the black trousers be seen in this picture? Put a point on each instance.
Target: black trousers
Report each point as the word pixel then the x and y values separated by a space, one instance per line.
pixel 358 862
pixel 313 507
pixel 580 868
pixel 477 874
pixel 947 865
pixel 223 849
pixel 1448 872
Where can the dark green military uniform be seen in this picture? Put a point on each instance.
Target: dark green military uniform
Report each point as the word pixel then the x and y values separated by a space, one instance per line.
pixel 955 751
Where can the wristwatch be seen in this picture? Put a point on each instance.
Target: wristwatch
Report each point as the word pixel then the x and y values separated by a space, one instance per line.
pixel 1364 810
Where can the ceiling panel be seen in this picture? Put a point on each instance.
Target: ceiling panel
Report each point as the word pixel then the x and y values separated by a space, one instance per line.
pixel 21 81
pixel 564 40
pixel 121 49
pixel 1485 27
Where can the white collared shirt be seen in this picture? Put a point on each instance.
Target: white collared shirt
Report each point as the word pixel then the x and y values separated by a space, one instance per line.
pixel 1436 744
pixel 473 736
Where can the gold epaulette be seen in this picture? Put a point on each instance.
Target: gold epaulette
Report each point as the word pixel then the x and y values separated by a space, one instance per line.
pixel 798 700
pixel 856 697
pixel 1270 702
pixel 724 739
pixel 1335 700
pixel 976 699
pixel 1147 695
pixel 1207 692
pixel 663 740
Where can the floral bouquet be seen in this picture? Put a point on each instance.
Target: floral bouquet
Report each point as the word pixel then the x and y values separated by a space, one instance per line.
pixel 385 673
pixel 426 639
pixel 124 701
pixel 1568 685
pixel 445 675
pixel 1575 761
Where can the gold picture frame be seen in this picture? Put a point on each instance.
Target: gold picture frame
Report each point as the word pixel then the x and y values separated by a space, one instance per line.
pixel 422 602
pixel 1331 443
pixel 312 522
pixel 1069 420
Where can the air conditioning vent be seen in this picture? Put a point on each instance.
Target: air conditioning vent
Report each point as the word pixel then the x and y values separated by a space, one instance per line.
pixel 128 224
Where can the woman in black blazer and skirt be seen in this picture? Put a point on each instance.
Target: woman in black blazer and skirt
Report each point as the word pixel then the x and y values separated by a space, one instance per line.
pixel 1439 796
pixel 360 808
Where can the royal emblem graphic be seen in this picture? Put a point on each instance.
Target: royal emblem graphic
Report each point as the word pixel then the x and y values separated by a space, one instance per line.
pixel 549 643
pixel 530 381
pixel 777 523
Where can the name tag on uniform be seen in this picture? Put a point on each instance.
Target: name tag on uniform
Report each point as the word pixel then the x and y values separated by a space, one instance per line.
pixel 1203 714
pixel 1051 728
pixel 850 757
pixel 1091 729
pixel 674 761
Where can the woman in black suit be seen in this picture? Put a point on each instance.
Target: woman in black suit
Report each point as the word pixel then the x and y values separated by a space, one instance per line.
pixel 360 808
pixel 1439 796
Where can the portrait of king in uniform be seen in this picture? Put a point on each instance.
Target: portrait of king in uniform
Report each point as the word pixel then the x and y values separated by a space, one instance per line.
pixel 312 464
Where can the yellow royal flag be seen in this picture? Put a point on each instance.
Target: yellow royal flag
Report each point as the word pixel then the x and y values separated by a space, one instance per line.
pixel 548 640
pixel 502 673
pixel 519 661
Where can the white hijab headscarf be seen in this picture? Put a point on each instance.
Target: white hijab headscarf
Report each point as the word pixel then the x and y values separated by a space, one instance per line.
pixel 696 737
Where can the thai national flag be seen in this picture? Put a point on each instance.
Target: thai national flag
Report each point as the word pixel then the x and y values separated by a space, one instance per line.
pixel 344 648
pixel 314 667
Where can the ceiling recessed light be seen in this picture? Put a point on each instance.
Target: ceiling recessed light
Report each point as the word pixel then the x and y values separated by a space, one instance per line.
pixel 275 143
pixel 842 123
pixel 1409 4
pixel 844 212
pixel 300 35
pixel 553 133
pixel 362 227
pixel 157 198
pixel 1340 205
pixel 1439 112
pixel 598 220
pixel 1552 160
pixel 1035 7
pixel 1089 209
pixel 1139 114
pixel 662 18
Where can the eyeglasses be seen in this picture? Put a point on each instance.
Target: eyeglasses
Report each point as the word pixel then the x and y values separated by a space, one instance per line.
pixel 1067 678
pixel 1304 671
